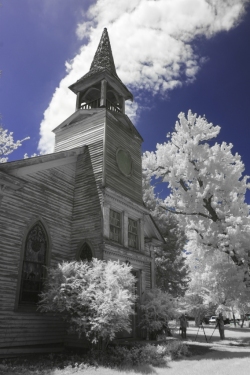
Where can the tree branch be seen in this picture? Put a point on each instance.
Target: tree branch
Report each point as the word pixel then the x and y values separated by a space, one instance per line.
pixel 183 184
pixel 210 209
pixel 185 213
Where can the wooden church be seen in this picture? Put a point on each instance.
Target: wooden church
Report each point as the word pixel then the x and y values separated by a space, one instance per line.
pixel 82 201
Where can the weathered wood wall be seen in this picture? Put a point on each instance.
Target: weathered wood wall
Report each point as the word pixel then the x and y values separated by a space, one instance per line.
pixel 69 200
pixel 83 132
pixel 47 195
pixel 118 136
pixel 87 213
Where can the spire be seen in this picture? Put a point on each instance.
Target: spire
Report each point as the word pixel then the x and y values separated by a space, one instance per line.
pixel 102 69
pixel 103 59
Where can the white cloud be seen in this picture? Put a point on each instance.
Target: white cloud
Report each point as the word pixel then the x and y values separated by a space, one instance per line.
pixel 151 43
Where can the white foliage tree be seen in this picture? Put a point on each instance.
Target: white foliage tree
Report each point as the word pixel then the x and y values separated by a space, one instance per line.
pixel 217 281
pixel 171 270
pixel 207 186
pixel 7 144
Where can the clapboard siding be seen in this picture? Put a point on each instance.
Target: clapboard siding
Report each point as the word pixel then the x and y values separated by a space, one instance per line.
pixel 86 221
pixel 84 132
pixel 117 136
pixel 47 194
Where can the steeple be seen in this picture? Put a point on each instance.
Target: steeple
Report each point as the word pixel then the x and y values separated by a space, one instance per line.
pixel 103 59
pixel 101 86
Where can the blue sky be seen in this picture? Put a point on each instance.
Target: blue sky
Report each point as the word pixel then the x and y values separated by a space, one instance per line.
pixel 173 56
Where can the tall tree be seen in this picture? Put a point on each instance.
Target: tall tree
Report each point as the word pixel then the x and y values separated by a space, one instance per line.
pixel 207 187
pixel 217 281
pixel 171 270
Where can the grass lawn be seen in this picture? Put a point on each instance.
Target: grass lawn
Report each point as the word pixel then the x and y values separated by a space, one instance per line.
pixel 229 357
pixel 211 361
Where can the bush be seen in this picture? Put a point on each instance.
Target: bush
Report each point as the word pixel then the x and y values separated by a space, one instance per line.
pixel 177 349
pixel 156 309
pixel 134 356
pixel 156 355
pixel 95 298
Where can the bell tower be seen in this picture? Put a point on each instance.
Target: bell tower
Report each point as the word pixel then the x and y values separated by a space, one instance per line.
pixel 100 122
pixel 108 210
pixel 101 87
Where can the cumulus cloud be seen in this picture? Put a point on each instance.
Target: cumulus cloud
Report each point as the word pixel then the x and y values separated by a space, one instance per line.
pixel 151 43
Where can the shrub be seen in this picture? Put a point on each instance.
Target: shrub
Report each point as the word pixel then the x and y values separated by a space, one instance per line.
pixel 156 309
pixel 134 356
pixel 95 298
pixel 156 355
pixel 177 349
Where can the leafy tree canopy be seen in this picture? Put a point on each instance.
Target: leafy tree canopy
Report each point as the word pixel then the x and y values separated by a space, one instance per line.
pixel 207 187
pixel 171 269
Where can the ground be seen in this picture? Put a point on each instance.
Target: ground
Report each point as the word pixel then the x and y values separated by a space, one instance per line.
pixel 215 357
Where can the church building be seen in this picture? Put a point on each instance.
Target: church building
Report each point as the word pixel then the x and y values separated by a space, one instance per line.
pixel 82 201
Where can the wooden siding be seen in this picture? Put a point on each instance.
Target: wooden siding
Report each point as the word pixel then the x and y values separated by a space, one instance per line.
pixel 85 132
pixel 69 199
pixel 89 132
pixel 48 194
pixel 117 136
pixel 87 214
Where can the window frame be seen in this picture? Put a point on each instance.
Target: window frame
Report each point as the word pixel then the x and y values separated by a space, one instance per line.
pixel 136 247
pixel 79 249
pixel 120 240
pixel 30 306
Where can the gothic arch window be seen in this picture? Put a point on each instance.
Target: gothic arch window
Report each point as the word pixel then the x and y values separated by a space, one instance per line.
pixel 34 260
pixel 85 252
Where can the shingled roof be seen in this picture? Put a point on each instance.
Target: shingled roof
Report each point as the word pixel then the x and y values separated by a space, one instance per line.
pixel 103 63
pixel 103 58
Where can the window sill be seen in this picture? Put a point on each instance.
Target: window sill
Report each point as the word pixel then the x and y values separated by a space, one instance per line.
pixel 114 243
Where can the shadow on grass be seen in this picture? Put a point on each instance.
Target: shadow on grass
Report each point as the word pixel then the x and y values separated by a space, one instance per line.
pixel 199 352
pixel 142 369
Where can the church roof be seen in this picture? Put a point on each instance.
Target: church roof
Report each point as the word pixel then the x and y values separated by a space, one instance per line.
pixel 29 165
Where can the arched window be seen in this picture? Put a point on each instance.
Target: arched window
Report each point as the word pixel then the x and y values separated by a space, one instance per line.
pixel 85 252
pixel 33 271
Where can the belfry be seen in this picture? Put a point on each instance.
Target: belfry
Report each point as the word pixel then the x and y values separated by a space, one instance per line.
pixel 82 201
pixel 101 87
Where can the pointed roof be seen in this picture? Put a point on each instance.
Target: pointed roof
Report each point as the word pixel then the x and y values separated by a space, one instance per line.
pixel 102 65
pixel 103 59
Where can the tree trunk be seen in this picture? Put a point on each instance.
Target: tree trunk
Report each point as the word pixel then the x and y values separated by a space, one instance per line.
pixel 242 321
pixel 234 320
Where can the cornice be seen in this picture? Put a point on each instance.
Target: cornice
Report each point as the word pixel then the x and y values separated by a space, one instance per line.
pixel 112 195
pixel 126 254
